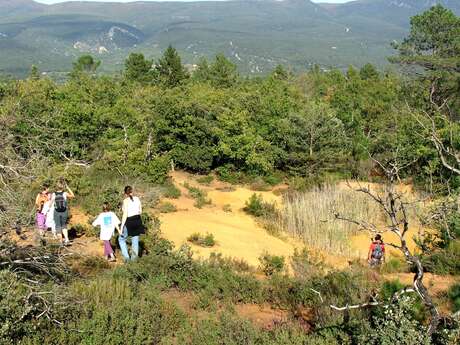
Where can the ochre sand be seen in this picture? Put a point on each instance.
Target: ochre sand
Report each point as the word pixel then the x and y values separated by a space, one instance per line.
pixel 237 234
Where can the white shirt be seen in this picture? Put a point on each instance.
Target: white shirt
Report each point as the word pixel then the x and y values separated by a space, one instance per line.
pixel 107 221
pixel 48 210
pixel 132 207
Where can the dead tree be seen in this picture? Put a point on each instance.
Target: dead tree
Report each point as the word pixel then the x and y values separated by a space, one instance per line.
pixel 396 210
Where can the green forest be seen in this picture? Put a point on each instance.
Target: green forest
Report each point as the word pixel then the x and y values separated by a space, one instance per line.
pixel 308 130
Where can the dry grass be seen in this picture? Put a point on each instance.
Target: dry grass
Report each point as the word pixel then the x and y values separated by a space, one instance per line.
pixel 310 216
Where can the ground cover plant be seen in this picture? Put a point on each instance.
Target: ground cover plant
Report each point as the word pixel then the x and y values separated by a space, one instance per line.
pixel 199 195
pixel 202 240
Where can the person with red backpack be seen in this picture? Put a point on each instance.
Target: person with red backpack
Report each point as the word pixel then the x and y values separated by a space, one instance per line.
pixel 376 254
pixel 61 210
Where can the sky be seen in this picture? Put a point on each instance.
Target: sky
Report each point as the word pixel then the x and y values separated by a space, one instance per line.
pixel 56 1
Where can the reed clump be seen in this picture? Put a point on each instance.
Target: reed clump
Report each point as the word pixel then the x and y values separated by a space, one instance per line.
pixel 310 216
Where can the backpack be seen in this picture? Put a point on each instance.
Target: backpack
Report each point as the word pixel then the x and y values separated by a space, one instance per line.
pixel 60 203
pixel 377 253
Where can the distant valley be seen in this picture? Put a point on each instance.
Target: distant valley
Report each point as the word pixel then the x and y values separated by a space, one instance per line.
pixel 256 35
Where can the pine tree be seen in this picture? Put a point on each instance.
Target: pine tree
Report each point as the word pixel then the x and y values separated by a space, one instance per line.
pixel 85 64
pixel 223 72
pixel 34 73
pixel 137 68
pixel 433 46
pixel 169 68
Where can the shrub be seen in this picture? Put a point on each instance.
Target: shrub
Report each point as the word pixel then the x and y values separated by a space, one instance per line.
pixel 228 173
pixel 260 185
pixel 227 208
pixel 203 241
pixel 395 265
pixel 444 261
pixel 199 195
pixel 396 326
pixel 166 207
pixel 157 169
pixel 454 296
pixel 89 265
pixel 306 264
pixel 170 191
pixel 271 264
pixel 257 207
pixel 206 180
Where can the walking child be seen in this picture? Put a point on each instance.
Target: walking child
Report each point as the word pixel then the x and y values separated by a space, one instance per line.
pixel 40 201
pixel 108 221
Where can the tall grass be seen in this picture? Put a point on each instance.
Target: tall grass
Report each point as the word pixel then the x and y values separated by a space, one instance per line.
pixel 310 216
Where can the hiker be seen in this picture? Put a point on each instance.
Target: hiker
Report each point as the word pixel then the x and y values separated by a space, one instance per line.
pixel 40 217
pixel 376 254
pixel 108 221
pixel 61 210
pixel 131 224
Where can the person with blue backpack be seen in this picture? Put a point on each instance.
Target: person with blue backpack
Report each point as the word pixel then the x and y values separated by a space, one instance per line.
pixel 61 210
pixel 376 255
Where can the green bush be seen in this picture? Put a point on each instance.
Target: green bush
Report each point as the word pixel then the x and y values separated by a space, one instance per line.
pixel 199 195
pixel 397 326
pixel 203 241
pixel 166 207
pixel 157 169
pixel 271 264
pixel 206 180
pixel 395 265
pixel 257 207
pixel 228 173
pixel 170 191
pixel 454 296
pixel 444 261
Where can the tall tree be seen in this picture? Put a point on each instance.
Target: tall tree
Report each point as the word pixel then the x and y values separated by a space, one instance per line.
pixel 223 72
pixel 169 68
pixel 433 46
pixel 34 73
pixel 138 68
pixel 85 64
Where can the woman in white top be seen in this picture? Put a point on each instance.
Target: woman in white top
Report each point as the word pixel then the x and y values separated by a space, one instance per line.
pixel 131 224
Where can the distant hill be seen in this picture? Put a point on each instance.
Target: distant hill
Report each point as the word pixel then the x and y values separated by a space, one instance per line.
pixel 255 34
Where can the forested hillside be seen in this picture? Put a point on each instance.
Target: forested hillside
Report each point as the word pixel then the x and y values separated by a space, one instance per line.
pixel 256 35
pixel 344 152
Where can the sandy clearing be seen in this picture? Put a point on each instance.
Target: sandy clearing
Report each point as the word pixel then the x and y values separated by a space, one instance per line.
pixel 238 235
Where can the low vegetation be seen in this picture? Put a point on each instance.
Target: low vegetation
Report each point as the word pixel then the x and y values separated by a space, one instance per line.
pixel 199 195
pixel 206 180
pixel 166 207
pixel 271 264
pixel 202 240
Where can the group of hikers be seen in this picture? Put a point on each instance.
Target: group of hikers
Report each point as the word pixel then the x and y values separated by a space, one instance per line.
pixel 52 213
